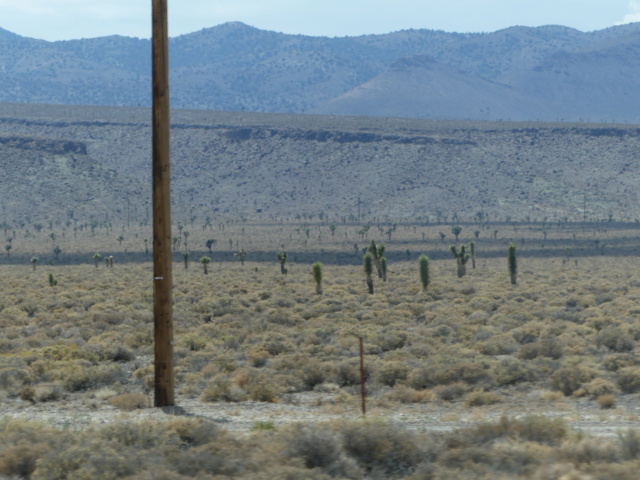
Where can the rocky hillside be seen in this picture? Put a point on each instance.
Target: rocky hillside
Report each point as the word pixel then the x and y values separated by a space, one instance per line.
pixel 548 73
pixel 96 161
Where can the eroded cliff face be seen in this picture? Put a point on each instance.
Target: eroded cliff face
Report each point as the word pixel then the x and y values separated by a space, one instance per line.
pixel 287 165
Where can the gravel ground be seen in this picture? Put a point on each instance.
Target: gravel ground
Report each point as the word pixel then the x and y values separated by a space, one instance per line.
pixel 582 415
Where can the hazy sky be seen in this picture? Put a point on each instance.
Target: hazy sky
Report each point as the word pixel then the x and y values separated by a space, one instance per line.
pixel 67 19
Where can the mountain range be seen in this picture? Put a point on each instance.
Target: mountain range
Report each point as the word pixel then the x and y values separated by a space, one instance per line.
pixel 550 73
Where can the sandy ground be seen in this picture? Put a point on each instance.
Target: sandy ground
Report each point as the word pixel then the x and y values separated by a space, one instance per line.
pixel 581 415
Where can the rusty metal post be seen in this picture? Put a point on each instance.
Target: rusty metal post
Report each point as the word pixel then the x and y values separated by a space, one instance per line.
pixel 162 279
pixel 362 389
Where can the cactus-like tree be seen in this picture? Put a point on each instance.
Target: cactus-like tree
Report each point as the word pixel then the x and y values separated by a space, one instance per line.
pixel 210 244
pixel 368 270
pixel 205 264
pixel 472 249
pixel 377 252
pixel 34 262
pixel 52 280
pixel 8 248
pixel 316 269
pixel 57 251
pixel 120 239
pixel 241 255
pixel 425 279
pixel 185 258
pixel 96 258
pixel 456 231
pixel 461 257
pixel 282 258
pixel 513 263
pixel 146 246
pixel 383 266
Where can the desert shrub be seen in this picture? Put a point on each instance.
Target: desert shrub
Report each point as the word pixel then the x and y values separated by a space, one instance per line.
pixel 615 339
pixel 451 392
pixel 313 373
pixel 258 356
pixel 347 372
pixel 12 378
pixel 511 371
pixel 570 378
pixel 320 447
pixel 20 460
pixel 391 338
pixel 539 429
pixel 590 450
pixel 194 342
pixel 222 389
pixel 389 373
pixel 405 394
pixel 606 401
pixel 617 361
pixel 480 398
pixel 262 389
pixel 498 345
pixel 130 401
pixel 142 435
pixel 383 448
pixel 91 459
pixel 600 386
pixel 629 379
pixel 445 373
pixel 629 441
pixel 547 347
pixel 224 457
pixel 195 431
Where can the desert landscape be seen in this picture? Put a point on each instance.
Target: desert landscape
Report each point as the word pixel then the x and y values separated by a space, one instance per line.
pixel 470 377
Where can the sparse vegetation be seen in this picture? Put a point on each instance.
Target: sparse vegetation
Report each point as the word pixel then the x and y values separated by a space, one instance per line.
pixel 461 346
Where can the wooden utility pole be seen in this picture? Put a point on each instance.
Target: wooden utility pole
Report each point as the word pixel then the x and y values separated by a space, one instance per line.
pixel 162 283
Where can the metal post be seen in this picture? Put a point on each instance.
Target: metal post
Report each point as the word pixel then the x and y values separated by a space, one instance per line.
pixel 162 284
pixel 362 388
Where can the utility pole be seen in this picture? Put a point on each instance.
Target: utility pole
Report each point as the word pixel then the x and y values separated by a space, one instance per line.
pixel 162 279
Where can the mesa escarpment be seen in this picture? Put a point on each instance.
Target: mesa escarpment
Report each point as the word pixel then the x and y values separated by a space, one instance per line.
pixel 266 165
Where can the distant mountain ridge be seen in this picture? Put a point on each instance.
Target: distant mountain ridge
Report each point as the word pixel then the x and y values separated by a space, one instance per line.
pixel 520 73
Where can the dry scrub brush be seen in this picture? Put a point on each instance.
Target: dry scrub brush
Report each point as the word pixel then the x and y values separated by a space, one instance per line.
pixel 181 447
pixel 251 333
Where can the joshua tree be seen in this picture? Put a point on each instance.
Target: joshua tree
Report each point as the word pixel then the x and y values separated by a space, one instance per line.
pixel 368 270
pixel 472 248
pixel 316 269
pixel 383 266
pixel 176 242
pixel 52 280
pixel 120 240
pixel 241 254
pixel 8 249
pixel 57 251
pixel 146 246
pixel 456 231
pixel 205 264
pixel 423 261
pixel 461 259
pixel 185 257
pixel 110 261
pixel 34 262
pixel 332 227
pixel 210 243
pixel 282 258
pixel 96 258
pixel 377 251
pixel 513 263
